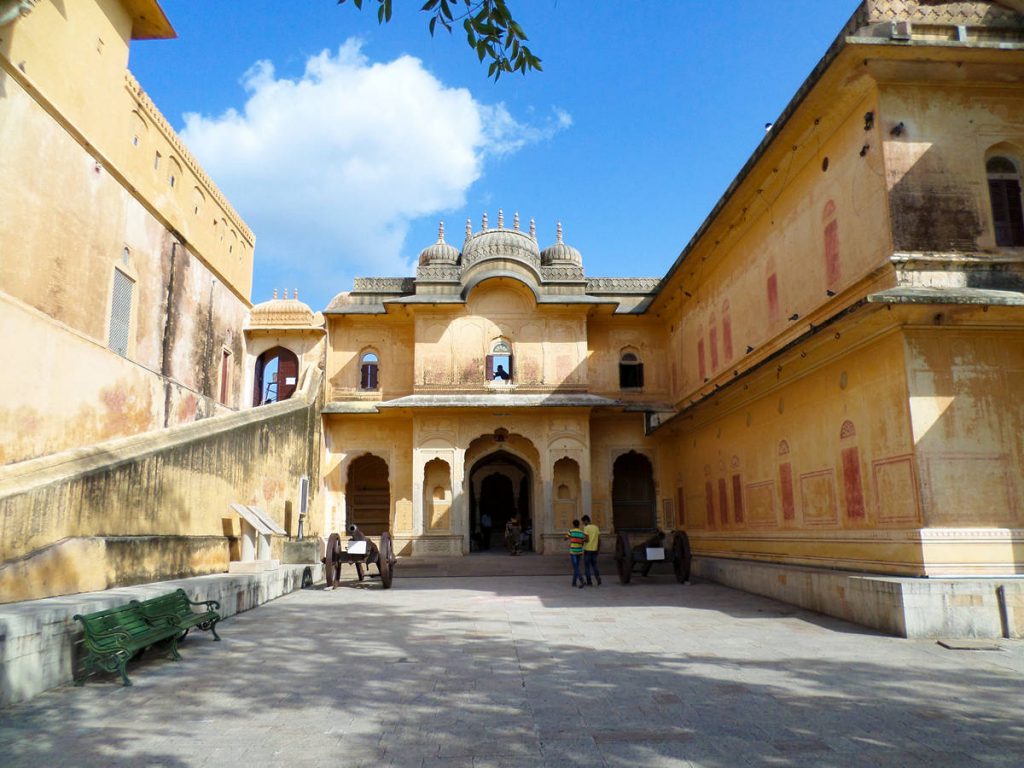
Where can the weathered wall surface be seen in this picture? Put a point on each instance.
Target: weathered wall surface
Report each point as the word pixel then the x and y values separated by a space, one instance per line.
pixel 969 435
pixel 818 469
pixel 65 247
pixel 106 192
pixel 814 229
pixel 935 169
pixel 609 338
pixel 156 505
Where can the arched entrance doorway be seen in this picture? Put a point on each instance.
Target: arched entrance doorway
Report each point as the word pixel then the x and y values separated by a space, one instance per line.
pixel 633 503
pixel 500 486
pixel 277 375
pixel 368 495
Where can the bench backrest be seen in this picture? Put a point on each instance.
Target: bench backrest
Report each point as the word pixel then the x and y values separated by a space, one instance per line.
pixel 175 602
pixel 125 617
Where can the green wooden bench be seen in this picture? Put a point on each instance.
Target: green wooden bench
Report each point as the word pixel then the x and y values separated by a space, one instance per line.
pixel 115 635
pixel 175 610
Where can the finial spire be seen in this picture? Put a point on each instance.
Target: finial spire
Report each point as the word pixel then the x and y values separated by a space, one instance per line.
pixel 275 294
pixel 559 235
pixel 533 229
pixel 440 231
pixel 484 227
pixel 296 296
pixel 469 228
pixel 515 221
pixel 501 219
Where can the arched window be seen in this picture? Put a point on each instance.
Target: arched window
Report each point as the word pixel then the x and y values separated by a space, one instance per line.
pixel 369 369
pixel 631 371
pixel 1005 194
pixel 499 362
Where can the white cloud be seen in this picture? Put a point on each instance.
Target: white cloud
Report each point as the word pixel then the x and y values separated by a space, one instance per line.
pixel 329 168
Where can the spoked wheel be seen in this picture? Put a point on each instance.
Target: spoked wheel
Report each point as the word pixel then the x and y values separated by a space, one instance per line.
pixel 624 558
pixel 681 557
pixel 360 572
pixel 332 568
pixel 386 560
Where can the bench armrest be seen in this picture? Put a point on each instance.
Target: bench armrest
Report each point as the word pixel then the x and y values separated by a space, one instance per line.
pixel 210 604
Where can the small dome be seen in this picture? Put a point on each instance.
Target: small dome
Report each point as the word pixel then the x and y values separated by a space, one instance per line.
pixel 560 253
pixel 440 252
pixel 282 313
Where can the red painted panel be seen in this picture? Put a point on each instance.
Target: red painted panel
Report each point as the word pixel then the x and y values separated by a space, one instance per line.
pixel 852 484
pixel 726 332
pixel 723 501
pixel 713 334
pixel 773 297
pixel 737 497
pixel 709 500
pixel 832 253
pixel 786 485
pixel 701 365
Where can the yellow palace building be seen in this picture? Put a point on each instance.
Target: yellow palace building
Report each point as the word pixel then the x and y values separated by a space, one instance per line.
pixel 822 389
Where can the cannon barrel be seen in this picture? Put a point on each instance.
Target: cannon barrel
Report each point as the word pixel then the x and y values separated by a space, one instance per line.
pixel 355 533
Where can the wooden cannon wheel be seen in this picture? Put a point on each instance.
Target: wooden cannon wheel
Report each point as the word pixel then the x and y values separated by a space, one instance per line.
pixel 624 558
pixel 386 560
pixel 681 556
pixel 332 564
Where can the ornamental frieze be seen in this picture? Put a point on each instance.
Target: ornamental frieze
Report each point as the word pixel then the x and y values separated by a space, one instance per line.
pixel 384 285
pixel 619 285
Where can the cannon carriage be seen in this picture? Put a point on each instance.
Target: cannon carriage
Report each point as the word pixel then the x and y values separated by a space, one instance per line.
pixel 659 547
pixel 362 553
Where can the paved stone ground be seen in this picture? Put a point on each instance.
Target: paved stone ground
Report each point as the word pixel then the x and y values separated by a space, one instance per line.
pixel 525 671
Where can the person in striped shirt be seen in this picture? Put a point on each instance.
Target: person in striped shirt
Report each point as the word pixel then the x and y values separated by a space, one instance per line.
pixel 577 538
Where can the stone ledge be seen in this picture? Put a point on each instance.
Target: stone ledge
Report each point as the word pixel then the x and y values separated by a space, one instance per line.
pixel 902 606
pixel 39 639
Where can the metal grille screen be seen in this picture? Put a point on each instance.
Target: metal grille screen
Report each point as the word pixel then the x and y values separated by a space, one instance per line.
pixel 120 312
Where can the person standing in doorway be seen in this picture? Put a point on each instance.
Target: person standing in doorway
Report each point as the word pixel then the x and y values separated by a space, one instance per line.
pixel 590 550
pixel 577 538
pixel 485 531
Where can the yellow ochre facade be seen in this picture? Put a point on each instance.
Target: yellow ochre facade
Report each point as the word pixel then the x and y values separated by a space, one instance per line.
pixel 827 375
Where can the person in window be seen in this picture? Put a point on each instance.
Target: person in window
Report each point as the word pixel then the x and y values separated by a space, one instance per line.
pixel 501 373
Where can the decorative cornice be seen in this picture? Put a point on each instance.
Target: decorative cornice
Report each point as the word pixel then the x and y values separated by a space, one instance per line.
pixel 623 285
pixel 403 285
pixel 438 273
pixel 12 10
pixel 562 273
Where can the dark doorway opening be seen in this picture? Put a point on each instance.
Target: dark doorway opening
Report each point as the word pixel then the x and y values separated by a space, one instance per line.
pixel 499 487
pixel 277 376
pixel 633 502
pixel 368 495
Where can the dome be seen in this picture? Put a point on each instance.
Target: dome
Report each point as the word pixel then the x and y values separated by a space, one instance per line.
pixel 440 252
pixel 560 253
pixel 500 243
pixel 282 313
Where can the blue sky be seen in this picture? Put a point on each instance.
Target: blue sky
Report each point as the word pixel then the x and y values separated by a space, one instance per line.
pixel 342 143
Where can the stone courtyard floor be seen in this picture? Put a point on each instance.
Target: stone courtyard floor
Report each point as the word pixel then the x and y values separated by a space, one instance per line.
pixel 525 671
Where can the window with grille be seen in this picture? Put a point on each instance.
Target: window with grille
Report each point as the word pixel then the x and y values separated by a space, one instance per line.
pixel 120 312
pixel 1005 194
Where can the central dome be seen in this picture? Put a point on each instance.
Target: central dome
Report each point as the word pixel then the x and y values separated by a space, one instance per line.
pixel 500 243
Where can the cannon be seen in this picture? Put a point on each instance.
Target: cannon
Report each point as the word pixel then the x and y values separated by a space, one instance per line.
pixel 659 547
pixel 362 553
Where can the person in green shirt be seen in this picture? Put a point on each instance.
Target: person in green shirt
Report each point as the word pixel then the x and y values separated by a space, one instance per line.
pixel 577 538
pixel 590 550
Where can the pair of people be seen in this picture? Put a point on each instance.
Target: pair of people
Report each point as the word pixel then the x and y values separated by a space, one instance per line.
pixel 584 544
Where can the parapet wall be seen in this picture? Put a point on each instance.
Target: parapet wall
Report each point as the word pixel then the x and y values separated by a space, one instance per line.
pixel 154 506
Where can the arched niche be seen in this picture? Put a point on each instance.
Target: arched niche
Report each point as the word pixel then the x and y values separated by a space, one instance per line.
pixel 368 495
pixel 566 484
pixel 633 495
pixel 437 495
